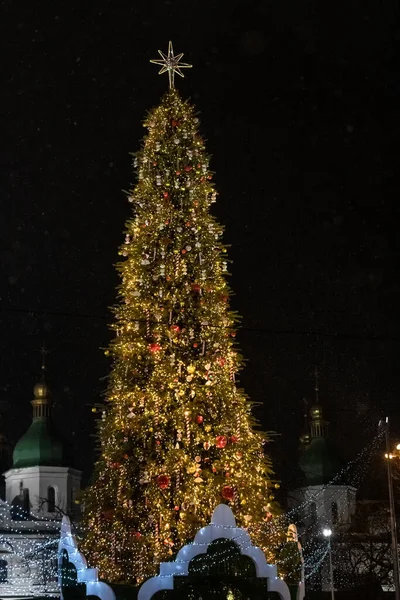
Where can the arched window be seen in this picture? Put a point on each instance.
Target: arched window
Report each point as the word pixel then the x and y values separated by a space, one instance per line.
pixel 3 571
pixel 26 505
pixel 51 499
pixel 335 513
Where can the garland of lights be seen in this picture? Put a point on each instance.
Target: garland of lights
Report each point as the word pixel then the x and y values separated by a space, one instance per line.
pixel 315 554
pixel 312 562
pixel 176 434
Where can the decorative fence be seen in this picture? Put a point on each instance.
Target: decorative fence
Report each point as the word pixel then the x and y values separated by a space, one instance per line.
pixel 221 562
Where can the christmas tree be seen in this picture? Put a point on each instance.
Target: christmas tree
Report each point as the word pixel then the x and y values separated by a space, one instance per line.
pixel 176 435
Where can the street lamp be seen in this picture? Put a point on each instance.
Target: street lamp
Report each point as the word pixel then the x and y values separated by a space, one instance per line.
pixel 389 456
pixel 327 532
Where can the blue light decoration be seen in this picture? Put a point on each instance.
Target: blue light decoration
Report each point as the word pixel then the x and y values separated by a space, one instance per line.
pixel 68 552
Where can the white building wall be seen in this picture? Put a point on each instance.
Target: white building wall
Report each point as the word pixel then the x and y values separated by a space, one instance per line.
pixel 316 504
pixel 64 480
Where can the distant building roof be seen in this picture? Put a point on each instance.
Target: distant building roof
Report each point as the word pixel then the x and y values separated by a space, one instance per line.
pixel 39 445
pixel 320 462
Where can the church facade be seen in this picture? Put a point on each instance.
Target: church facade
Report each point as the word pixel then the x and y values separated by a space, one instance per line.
pixel 40 488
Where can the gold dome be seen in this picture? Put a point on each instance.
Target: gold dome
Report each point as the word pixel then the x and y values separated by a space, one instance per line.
pixel 40 391
pixel 316 412
pixel 305 439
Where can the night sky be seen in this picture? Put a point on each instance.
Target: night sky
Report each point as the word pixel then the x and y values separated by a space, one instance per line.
pixel 299 106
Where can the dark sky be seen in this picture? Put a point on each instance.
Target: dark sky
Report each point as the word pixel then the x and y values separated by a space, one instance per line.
pixel 299 104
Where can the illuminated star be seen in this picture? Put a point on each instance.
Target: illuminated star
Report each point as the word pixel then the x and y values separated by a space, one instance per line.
pixel 171 64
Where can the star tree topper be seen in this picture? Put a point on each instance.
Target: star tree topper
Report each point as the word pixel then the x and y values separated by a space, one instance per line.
pixel 170 63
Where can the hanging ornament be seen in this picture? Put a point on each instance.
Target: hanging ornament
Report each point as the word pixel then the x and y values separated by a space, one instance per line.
pixel 199 419
pixel 154 347
pixel 233 439
pixel 227 492
pixel 175 123
pixel 136 534
pixel 206 445
pixel 196 287
pixel 175 328
pixel 163 482
pixel 187 424
pixel 221 441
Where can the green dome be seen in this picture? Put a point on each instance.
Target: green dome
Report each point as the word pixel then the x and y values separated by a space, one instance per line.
pixel 40 445
pixel 320 462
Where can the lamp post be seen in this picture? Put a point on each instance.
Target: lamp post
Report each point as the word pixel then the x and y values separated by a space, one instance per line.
pixel 389 456
pixel 327 532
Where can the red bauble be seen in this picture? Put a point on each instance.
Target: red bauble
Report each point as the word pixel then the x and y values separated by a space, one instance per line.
pixel 228 492
pixel 116 465
pixel 155 347
pixel 175 328
pixel 166 195
pixel 221 441
pixel 188 168
pixel 199 419
pixel 174 123
pixel 196 287
pixel 234 439
pixel 222 361
pixel 163 482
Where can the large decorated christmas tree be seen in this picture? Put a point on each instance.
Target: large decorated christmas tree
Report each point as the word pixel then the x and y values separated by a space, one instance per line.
pixel 176 435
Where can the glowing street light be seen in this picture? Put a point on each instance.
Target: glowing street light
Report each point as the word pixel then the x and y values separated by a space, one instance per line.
pixel 395 554
pixel 327 532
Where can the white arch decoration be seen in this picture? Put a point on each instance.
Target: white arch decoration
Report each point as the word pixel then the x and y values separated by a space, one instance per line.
pixel 86 575
pixel 223 525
